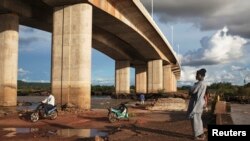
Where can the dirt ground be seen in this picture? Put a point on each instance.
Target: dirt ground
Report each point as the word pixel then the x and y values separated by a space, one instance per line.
pixel 143 125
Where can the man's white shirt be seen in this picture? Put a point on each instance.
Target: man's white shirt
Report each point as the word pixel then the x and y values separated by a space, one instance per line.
pixel 49 100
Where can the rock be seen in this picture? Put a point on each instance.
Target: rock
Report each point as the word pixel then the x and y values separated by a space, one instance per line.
pixel 2 113
pixel 169 104
pixel 24 103
pixel 97 138
pixel 19 103
pixel 70 105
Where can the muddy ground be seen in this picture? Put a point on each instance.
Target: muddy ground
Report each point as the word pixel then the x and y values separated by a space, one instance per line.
pixel 94 125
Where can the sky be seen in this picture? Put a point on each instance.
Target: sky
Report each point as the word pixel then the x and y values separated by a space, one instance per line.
pixel 206 34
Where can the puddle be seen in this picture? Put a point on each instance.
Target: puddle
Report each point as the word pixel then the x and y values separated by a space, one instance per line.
pixel 13 131
pixel 80 133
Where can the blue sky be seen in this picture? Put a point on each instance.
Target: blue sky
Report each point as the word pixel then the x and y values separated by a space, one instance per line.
pixel 210 34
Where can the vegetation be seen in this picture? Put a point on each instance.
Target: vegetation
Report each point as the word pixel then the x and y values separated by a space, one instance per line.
pixel 36 88
pixel 231 93
pixel 32 85
pixel 26 88
pixel 96 88
pixel 226 91
pixel 223 88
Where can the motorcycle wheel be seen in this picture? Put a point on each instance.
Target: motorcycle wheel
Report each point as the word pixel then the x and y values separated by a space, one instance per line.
pixel 53 115
pixel 112 117
pixel 34 117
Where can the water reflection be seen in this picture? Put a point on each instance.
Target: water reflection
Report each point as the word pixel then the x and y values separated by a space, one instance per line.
pixel 11 132
pixel 80 133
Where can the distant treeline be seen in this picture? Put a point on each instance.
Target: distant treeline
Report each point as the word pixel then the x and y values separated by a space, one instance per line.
pixel 225 88
pixel 32 88
pixel 38 88
pixel 29 86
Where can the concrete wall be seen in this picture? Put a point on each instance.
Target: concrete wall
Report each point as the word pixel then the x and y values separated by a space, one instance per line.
pixel 122 75
pixel 71 54
pixel 8 59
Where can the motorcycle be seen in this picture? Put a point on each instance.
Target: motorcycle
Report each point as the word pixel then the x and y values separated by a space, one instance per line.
pixel 119 113
pixel 39 113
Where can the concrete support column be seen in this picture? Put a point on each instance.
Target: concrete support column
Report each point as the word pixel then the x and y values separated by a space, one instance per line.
pixel 174 82
pixel 8 59
pixel 122 77
pixel 167 78
pixel 71 54
pixel 141 79
pixel 155 73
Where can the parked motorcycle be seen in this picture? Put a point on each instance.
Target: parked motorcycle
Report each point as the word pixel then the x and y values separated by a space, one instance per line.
pixel 39 113
pixel 120 113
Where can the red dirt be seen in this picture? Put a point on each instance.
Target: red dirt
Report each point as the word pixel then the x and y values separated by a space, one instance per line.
pixel 144 125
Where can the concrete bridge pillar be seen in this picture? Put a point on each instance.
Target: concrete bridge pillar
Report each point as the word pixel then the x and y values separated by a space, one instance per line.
pixel 167 78
pixel 174 82
pixel 155 73
pixel 141 79
pixel 71 54
pixel 122 75
pixel 8 59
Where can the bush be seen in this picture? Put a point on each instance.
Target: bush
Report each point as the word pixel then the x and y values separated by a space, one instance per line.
pixel 244 91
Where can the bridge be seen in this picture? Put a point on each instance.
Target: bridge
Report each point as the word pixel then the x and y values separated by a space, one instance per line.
pixel 121 29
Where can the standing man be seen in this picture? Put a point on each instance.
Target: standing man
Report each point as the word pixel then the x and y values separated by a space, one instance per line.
pixel 142 98
pixel 196 105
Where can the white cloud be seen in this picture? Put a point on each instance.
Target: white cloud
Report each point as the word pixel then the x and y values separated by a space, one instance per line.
pixel 215 74
pixel 245 74
pixel 238 68
pixel 205 14
pixel 227 76
pixel 219 49
pixel 44 81
pixel 25 80
pixel 247 79
pixel 103 81
pixel 188 74
pixel 224 55
pixel 22 72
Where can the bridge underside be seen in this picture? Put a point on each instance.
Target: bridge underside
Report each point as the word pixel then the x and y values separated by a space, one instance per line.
pixel 118 29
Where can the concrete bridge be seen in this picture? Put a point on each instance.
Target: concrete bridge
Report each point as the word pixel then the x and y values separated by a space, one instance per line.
pixel 121 29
